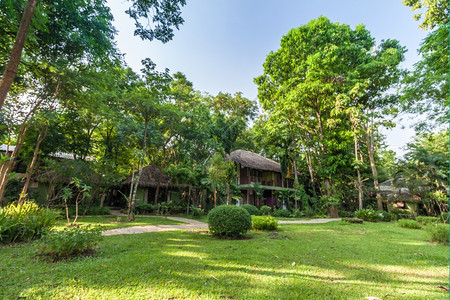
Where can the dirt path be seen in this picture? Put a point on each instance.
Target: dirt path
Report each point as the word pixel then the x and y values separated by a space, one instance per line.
pixel 191 224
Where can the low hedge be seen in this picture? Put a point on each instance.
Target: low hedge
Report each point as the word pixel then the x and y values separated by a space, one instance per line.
pixel 252 210
pixel 264 223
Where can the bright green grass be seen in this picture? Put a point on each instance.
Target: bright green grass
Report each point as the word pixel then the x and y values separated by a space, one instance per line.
pixel 332 261
pixel 112 222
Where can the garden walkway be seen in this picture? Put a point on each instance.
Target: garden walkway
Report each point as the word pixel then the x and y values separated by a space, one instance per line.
pixel 190 224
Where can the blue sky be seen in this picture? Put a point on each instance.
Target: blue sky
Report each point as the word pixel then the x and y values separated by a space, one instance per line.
pixel 223 43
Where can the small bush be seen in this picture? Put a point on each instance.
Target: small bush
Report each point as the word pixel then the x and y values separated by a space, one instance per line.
pixel 385 216
pixel 428 220
pixel 352 220
pixel 309 212
pixel 265 210
pixel 440 234
pixel 444 217
pixel 72 241
pixel 282 213
pixel 229 221
pixel 26 222
pixel 411 224
pixel 398 214
pixel 142 207
pixel 252 210
pixel 297 213
pixel 197 212
pixel 369 215
pixel 346 214
pixel 264 223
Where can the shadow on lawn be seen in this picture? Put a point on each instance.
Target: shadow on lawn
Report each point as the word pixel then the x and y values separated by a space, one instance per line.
pixel 189 264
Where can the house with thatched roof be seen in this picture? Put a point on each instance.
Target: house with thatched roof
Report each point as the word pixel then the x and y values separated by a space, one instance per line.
pixel 256 172
pixel 152 181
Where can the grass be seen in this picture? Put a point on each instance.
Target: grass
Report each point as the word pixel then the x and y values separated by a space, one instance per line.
pixel 313 261
pixel 113 222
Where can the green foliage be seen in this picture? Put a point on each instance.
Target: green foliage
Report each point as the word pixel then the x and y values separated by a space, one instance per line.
pixel 72 241
pixel 398 214
pixel 282 213
pixel 252 210
pixel 25 223
pixel 352 220
pixel 346 214
pixel 428 220
pixel 90 211
pixel 142 207
pixel 229 221
pixel 411 224
pixel 265 210
pixel 197 212
pixel 298 213
pixel 372 215
pixel 264 223
pixel 440 234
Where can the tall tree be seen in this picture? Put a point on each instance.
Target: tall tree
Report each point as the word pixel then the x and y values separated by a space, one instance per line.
pixel 163 14
pixel 426 88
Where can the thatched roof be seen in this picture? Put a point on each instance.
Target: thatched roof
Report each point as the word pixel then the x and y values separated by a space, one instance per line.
pixel 150 176
pixel 254 161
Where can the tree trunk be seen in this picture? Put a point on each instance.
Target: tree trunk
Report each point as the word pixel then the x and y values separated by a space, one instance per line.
pixel 370 147
pixel 132 203
pixel 215 196
pixel 311 171
pixel 228 193
pixel 16 52
pixel 102 199
pixel 8 166
pixel 358 179
pixel 30 168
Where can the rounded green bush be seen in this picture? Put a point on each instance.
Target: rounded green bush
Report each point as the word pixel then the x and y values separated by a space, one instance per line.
pixel 264 223
pixel 252 210
pixel 265 210
pixel 282 213
pixel 229 221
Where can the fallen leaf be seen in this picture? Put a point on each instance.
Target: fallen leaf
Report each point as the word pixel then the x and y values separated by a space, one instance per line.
pixel 293 264
pixel 444 288
pixel 214 277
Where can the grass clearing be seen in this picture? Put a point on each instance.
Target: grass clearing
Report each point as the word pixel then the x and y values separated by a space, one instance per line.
pixel 311 261
pixel 113 222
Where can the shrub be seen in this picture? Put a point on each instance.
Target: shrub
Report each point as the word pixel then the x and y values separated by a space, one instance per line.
pixel 385 216
pixel 352 220
pixel 444 217
pixel 398 214
pixel 264 223
pixel 265 210
pixel 428 220
pixel 346 214
pixel 411 224
pixel 252 210
pixel 74 240
pixel 297 213
pixel 309 212
pixel 282 213
pixel 440 234
pixel 142 207
pixel 368 214
pixel 26 222
pixel 197 212
pixel 229 221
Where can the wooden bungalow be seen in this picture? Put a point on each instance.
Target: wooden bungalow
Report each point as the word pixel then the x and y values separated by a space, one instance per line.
pixel 152 181
pixel 251 169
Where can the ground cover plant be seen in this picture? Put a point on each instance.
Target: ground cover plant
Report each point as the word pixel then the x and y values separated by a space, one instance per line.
pixel 113 222
pixel 411 224
pixel 311 261
pixel 264 223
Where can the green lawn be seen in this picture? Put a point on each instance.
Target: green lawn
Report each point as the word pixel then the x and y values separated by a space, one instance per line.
pixel 112 222
pixel 311 261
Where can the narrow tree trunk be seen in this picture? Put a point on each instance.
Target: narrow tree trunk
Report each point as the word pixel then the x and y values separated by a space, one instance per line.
pixel 30 168
pixel 9 165
pixel 16 52
pixel 295 182
pixel 215 196
pixel 311 171
pixel 102 199
pixel 141 166
pixel 358 179
pixel 228 193
pixel 370 147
